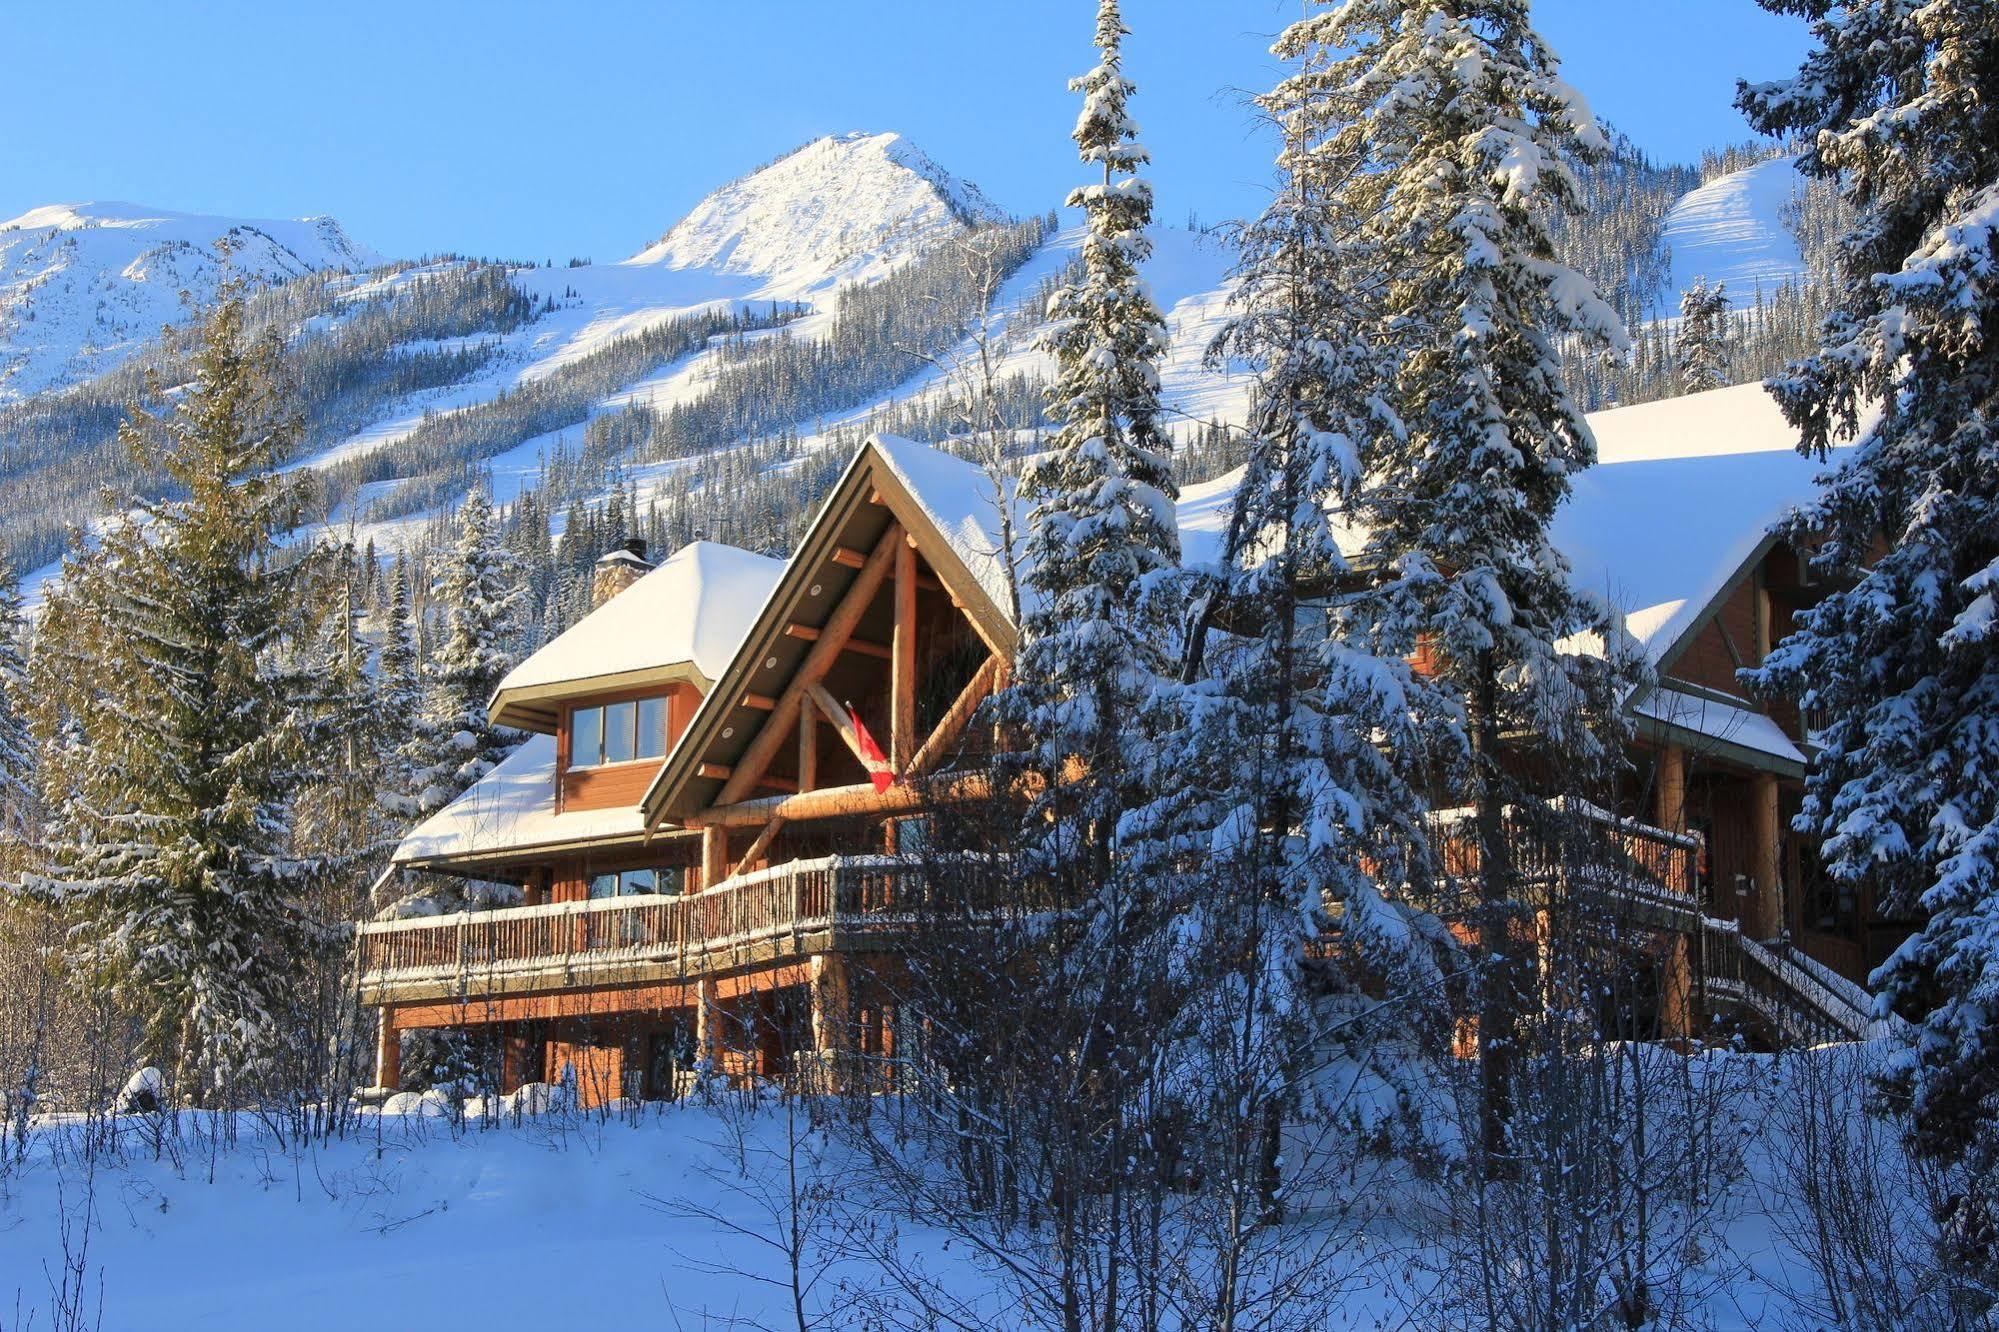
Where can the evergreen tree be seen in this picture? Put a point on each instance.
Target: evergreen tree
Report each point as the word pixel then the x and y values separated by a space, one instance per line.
pixel 1289 790
pixel 477 596
pixel 1454 137
pixel 17 746
pixel 1899 104
pixel 1701 345
pixel 1102 543
pixel 1102 551
pixel 175 740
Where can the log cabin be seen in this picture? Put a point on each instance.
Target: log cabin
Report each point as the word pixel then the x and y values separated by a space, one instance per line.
pixel 730 759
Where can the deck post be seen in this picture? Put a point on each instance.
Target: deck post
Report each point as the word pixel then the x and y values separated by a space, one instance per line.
pixel 707 1023
pixel 833 1017
pixel 714 856
pixel 1676 988
pixel 388 1050
pixel 1764 917
pixel 1670 788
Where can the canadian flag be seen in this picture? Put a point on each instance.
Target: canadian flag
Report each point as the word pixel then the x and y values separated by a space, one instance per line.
pixel 876 762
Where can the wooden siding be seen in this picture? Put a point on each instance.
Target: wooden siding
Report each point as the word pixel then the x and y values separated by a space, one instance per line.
pixel 608 786
pixel 1724 643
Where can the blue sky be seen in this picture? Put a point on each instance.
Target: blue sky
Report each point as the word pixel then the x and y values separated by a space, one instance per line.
pixel 538 130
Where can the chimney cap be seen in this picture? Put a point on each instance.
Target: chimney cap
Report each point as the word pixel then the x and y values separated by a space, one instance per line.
pixel 631 552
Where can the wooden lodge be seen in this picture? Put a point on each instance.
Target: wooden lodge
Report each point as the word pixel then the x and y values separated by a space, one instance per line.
pixel 731 759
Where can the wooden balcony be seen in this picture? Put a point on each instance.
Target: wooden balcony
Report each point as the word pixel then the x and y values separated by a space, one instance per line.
pixel 781 914
pixel 1575 847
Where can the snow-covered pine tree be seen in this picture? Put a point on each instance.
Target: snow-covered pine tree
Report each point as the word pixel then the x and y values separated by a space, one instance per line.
pixel 179 748
pixel 399 689
pixel 1102 550
pixel 1459 136
pixel 17 745
pixel 1291 788
pixel 476 594
pixel 1899 104
pixel 1700 345
pixel 1102 544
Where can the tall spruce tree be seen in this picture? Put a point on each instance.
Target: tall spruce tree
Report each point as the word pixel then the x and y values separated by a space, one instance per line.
pixel 1102 543
pixel 1456 138
pixel 1290 788
pixel 477 595
pixel 1700 345
pixel 178 744
pixel 1899 104
pixel 1102 550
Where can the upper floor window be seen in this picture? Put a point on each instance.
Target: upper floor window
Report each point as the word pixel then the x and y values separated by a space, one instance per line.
pixel 617 732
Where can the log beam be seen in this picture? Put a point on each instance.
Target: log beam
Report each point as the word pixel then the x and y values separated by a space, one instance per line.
pixel 842 720
pixel 714 856
pixel 953 725
pixel 820 659
pixel 808 744
pixel 840 801
pixel 760 845
pixel 902 663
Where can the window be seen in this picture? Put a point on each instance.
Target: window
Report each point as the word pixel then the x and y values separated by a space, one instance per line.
pixel 621 732
pixel 617 732
pixel 635 882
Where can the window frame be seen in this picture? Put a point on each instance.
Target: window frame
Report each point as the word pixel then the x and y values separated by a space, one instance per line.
pixel 636 707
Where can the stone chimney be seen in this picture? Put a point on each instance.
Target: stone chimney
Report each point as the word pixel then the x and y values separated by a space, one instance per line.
pixel 618 571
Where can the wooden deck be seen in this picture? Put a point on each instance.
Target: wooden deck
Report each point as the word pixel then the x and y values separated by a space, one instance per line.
pixel 777 915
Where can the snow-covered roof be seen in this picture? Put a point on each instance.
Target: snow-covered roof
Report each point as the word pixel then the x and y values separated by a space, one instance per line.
pixel 1720 721
pixel 1684 492
pixel 691 611
pixel 512 808
pixel 961 500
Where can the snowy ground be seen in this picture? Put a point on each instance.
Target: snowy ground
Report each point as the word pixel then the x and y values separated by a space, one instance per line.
pixel 410 1221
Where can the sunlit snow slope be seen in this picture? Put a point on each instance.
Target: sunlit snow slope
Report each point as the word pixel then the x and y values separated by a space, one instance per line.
pixel 1732 231
pixel 840 207
pixel 83 286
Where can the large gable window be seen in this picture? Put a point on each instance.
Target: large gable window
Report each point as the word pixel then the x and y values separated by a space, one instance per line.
pixel 617 732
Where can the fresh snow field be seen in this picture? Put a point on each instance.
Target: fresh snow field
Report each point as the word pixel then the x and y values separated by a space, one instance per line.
pixel 410 1222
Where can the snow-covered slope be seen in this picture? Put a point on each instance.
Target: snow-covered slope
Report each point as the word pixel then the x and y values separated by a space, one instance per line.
pixel 1731 230
pixel 839 207
pixel 82 286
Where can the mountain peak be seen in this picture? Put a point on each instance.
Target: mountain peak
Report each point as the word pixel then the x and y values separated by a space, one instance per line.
pixel 836 208
pixel 83 285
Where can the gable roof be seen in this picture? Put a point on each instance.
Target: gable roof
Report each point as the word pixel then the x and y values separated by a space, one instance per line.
pixel 946 505
pixel 682 621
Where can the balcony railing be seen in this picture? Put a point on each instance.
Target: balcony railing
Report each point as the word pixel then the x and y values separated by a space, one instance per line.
pixel 785 911
pixel 1575 844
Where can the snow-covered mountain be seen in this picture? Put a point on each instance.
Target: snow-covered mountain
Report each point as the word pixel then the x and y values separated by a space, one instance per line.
pixel 839 207
pixel 564 368
pixel 83 286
